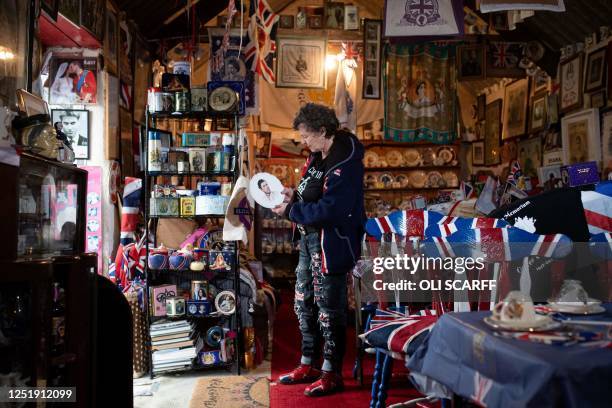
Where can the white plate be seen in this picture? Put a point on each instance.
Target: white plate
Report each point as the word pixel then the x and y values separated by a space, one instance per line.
pixel 371 159
pixel 412 157
pixel 266 189
pixel 592 307
pixel 394 158
pixel 541 323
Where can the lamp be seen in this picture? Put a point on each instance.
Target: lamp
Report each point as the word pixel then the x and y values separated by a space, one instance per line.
pixel 6 53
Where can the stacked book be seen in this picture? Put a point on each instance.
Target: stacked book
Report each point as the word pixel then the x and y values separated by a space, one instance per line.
pixel 172 345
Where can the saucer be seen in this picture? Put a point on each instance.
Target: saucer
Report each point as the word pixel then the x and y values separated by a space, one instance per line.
pixel 541 323
pixel 593 306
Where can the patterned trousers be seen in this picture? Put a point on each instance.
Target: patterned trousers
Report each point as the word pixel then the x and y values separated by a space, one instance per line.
pixel 320 305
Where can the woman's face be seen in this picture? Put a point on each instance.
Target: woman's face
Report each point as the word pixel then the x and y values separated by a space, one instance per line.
pixel 421 89
pixel 315 141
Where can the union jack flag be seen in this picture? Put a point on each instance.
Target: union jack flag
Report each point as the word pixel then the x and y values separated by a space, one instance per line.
pixel 449 225
pixel 402 335
pixel 504 55
pixel 130 210
pixel 407 223
pixel 260 50
pixel 515 173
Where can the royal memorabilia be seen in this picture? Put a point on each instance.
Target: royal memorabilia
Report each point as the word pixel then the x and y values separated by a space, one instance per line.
pixel 199 290
pixel 187 206
pixel 199 99
pixel 226 189
pixel 38 135
pixel 159 294
pixel 215 138
pixel 226 96
pixel 158 258
pixel 200 259
pixel 182 102
pixel 181 67
pixel 517 312
pixel 220 261
pixel 209 187
pixel 164 206
pixel 155 150
pixel 175 306
pixel 180 260
pixel 217 160
pixel 167 102
pixel 195 139
pixel 198 308
pixel 211 205
pixel 579 174
pixel 197 160
pixel 225 302
pixel 164 190
pixel 154 100
pixel 175 82
pixel 214 335
pixel 210 358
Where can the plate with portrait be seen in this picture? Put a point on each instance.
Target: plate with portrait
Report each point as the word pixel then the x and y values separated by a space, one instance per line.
pixel 225 302
pixel 450 178
pixel 371 159
pixel 446 154
pixel 403 180
pixel 222 99
pixel 394 158
pixel 412 157
pixel 428 157
pixel 418 179
pixel 266 190
pixel 386 179
pixel 434 179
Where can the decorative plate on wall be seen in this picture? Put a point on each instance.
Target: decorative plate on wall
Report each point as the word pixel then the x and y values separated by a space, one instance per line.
pixel 412 157
pixel 394 158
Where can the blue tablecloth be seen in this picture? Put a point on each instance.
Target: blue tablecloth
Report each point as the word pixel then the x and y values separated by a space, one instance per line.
pixel 462 354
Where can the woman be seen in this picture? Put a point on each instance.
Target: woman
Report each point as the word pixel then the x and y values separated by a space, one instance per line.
pixel 62 89
pixel 327 207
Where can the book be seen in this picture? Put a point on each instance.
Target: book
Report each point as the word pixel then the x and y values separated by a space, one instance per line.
pixel 186 343
pixel 164 324
pixel 167 337
pixel 171 341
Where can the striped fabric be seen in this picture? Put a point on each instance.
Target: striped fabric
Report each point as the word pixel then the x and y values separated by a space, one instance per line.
pixel 130 210
pixel 450 225
pixel 597 210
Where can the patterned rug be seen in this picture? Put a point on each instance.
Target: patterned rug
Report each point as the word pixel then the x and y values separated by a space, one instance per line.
pixel 231 392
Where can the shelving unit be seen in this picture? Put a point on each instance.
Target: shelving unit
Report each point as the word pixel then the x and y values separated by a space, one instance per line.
pixel 178 276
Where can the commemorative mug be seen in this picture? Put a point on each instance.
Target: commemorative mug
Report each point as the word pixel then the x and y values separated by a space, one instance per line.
pixel 516 307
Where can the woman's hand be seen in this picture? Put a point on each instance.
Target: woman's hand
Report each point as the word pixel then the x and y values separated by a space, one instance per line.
pixel 288 193
pixel 280 209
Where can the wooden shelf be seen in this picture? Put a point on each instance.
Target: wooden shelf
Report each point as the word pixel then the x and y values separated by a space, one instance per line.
pixel 387 143
pixel 412 168
pixel 192 174
pixel 407 189
pixel 192 115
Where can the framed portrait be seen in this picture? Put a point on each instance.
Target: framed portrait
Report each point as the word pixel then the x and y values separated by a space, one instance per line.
pixel 351 17
pixel 581 137
pixel 315 22
pixel 595 70
pixel 334 15
pixel 263 144
pixel 75 124
pixel 372 34
pixel 71 9
pixel 31 104
pixel 199 99
pixel 50 7
pixel 551 141
pixel 606 140
pixel 481 106
pixel 541 82
pixel 300 62
pixel 493 132
pixel 509 151
pixel 423 18
pixel 530 156
pixel 552 108
pixel 286 21
pixel 93 17
pixel 73 80
pixel 598 99
pixel 111 41
pixel 515 108
pixel 471 62
pixel 478 153
pixel 538 116
pixel 570 81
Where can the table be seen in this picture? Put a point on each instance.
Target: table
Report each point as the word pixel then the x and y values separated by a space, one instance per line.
pixel 463 356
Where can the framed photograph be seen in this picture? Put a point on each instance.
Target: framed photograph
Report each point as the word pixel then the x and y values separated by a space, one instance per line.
pixel 515 108
pixel 551 141
pixel 493 132
pixel 423 18
pixel 73 80
pixel 606 140
pixel 598 99
pixel 93 17
pixel 595 70
pixel 538 116
pixel 50 7
pixel 286 21
pixel 71 9
pixel 199 99
pixel 552 108
pixel 31 104
pixel 175 82
pixel 481 106
pixel 530 156
pixel 263 144
pixel 111 41
pixel 300 62
pixel 372 34
pixel 478 153
pixel 351 17
pixel 75 124
pixel 581 137
pixel 541 82
pixel 334 15
pixel 315 22
pixel 471 62
pixel 499 21
pixel 571 81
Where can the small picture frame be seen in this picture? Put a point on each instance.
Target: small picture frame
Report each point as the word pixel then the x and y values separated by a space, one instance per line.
pixel 199 99
pixel 315 22
pixel 263 144
pixel 286 21
pixel 351 17
pixel 595 70
pixel 598 99
pixel 499 21
pixel 478 153
pixel 538 114
pixel 372 34
pixel 31 104
pixel 481 104
pixel 175 82
pixel 75 125
pixel 471 62
pixel 334 15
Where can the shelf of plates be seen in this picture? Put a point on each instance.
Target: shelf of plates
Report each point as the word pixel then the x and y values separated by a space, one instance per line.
pixel 184 277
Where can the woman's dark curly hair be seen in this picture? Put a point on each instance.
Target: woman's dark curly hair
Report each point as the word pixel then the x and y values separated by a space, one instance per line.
pixel 315 117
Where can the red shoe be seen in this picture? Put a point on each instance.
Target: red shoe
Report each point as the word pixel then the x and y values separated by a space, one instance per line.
pixel 329 383
pixel 302 374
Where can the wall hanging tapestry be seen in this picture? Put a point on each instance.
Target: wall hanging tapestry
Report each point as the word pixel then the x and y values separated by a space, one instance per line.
pixel 420 89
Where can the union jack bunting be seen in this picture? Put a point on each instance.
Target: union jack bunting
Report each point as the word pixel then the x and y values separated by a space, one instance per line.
pixel 130 210
pixel 401 335
pixel 497 244
pixel 407 223
pixel 515 172
pixel 260 50
pixel 450 225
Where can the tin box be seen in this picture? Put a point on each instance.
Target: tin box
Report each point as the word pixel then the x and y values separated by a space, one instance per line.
pixel 159 295
pixel 210 358
pixel 164 206
pixel 221 261
pixel 198 307
pixel 579 174
pixel 211 205
pixel 187 206
pixel 175 306
pixel 217 160
pixel 197 159
pixel 195 139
